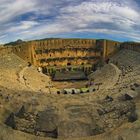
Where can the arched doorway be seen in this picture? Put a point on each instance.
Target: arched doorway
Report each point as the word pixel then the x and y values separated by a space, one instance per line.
pixel 68 64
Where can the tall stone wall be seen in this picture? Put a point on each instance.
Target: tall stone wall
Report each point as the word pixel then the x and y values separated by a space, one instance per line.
pixel 110 48
pixel 131 46
pixel 65 52
pixel 24 51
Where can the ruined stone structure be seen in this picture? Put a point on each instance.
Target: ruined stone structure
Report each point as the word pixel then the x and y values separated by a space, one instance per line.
pixel 131 46
pixel 5 50
pixel 59 54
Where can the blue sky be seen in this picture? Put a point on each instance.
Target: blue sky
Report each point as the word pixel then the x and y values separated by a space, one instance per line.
pixel 35 19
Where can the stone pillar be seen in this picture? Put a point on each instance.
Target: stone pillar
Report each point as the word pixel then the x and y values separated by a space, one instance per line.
pixel 104 49
pixel 32 53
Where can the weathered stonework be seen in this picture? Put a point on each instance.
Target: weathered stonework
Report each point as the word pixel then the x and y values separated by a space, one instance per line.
pixel 5 50
pixel 50 53
pixel 131 46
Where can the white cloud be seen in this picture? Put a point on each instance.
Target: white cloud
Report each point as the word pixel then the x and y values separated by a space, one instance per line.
pixel 69 16
pixel 10 9
pixel 24 25
pixel 102 12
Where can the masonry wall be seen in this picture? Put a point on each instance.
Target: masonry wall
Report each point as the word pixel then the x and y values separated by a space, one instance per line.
pixel 5 50
pixel 65 52
pixel 24 51
pixel 111 48
pixel 131 46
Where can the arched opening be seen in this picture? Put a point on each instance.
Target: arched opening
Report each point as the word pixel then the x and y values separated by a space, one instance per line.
pixel 29 64
pixel 73 92
pixel 58 92
pixel 94 90
pixel 68 64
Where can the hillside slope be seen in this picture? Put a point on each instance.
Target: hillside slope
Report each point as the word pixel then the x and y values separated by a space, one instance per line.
pixel 16 74
pixel 105 114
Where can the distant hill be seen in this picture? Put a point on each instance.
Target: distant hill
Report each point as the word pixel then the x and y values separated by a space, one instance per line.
pixel 19 41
